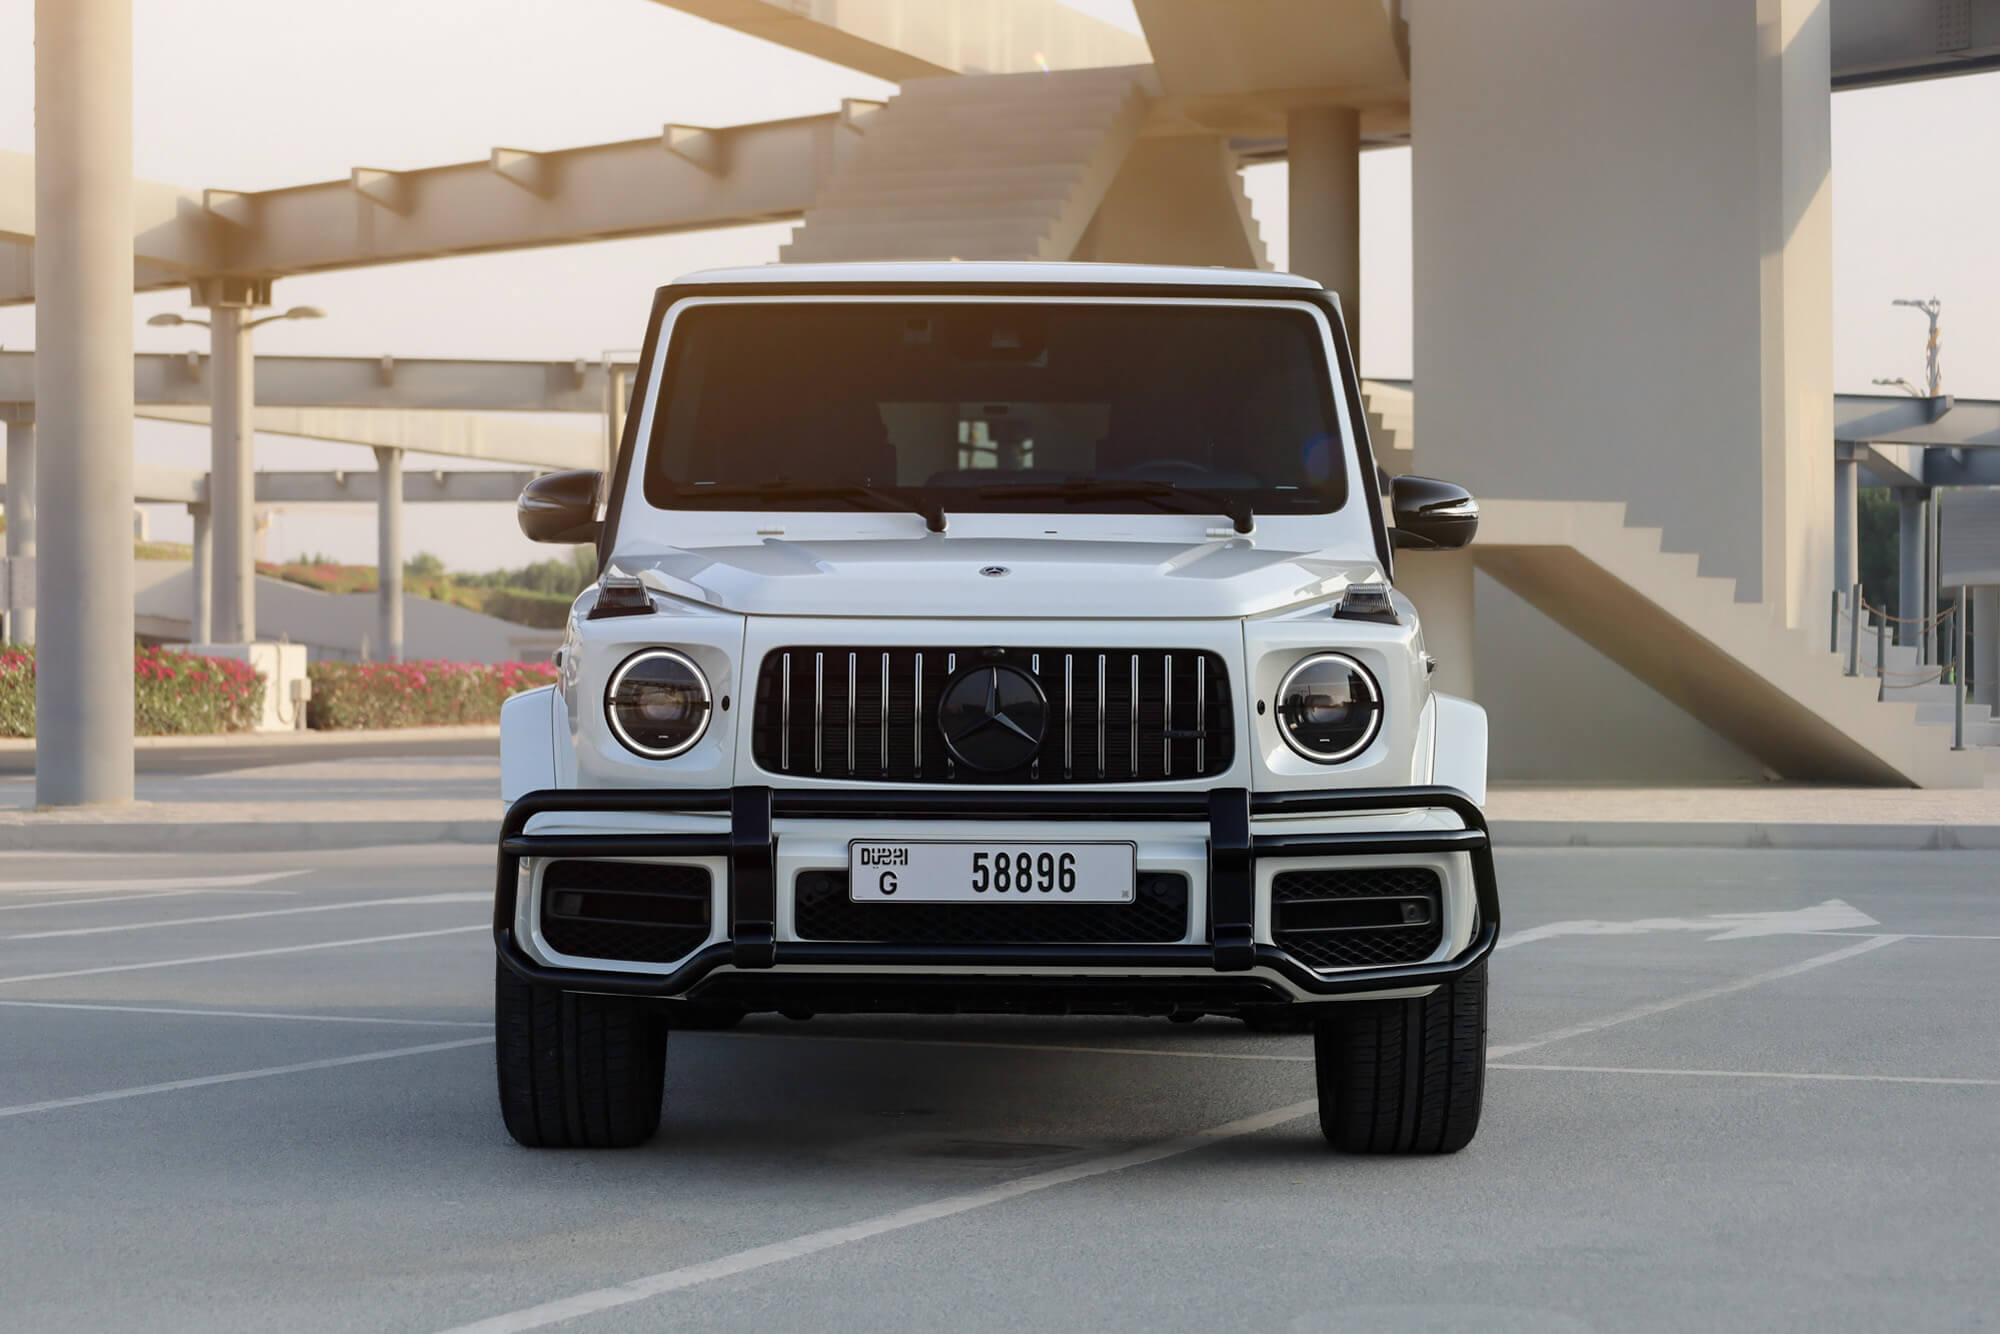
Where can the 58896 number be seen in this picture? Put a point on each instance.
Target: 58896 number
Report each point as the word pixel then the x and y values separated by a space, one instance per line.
pixel 1023 873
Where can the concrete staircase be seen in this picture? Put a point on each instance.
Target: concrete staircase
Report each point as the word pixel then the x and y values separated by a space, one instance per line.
pixel 1779 693
pixel 1002 167
pixel 1911 682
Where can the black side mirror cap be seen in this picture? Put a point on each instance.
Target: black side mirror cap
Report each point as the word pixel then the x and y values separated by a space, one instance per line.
pixel 1431 515
pixel 561 507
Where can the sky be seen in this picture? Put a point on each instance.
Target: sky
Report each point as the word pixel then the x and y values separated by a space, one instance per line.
pixel 253 94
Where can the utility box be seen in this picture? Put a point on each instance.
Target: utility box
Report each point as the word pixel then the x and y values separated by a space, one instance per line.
pixel 283 667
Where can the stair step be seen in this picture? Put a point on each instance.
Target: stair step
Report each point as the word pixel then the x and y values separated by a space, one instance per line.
pixel 1032 208
pixel 884 181
pixel 830 249
pixel 1929 692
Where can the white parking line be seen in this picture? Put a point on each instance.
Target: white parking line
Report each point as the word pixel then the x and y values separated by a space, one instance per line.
pixel 142 882
pixel 240 954
pixel 412 900
pixel 1809 1075
pixel 243 1014
pixel 1706 993
pixel 812 1243
pixel 237 1077
pixel 133 898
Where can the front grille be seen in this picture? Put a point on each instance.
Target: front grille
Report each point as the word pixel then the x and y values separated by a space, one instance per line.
pixel 1114 715
pixel 1159 913
pixel 1359 917
pixel 639 911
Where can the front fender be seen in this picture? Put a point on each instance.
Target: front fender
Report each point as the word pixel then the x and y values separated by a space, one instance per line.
pixel 1459 759
pixel 528 742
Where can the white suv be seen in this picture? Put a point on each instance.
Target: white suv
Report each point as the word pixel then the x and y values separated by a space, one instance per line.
pixel 995 638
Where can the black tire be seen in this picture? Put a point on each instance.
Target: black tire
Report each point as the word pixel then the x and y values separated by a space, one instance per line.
pixel 1404 1076
pixel 577 1071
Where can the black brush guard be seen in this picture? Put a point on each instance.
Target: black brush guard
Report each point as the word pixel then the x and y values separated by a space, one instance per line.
pixel 751 850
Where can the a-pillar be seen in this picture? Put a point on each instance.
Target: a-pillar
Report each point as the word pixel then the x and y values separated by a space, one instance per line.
pixel 232 461
pixel 1911 531
pixel 83 400
pixel 20 510
pixel 389 554
pixel 1323 153
pixel 1846 519
pixel 201 623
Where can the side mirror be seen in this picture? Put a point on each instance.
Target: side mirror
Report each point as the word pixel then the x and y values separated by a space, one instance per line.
pixel 561 507
pixel 1431 515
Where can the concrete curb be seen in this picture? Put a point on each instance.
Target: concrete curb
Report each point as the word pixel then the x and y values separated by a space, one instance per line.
pixel 1798 837
pixel 305 741
pixel 314 835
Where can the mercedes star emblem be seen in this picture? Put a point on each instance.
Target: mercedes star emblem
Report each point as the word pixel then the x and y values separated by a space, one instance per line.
pixel 994 571
pixel 993 718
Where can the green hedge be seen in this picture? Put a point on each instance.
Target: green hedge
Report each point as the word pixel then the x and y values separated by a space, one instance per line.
pixel 173 694
pixel 416 694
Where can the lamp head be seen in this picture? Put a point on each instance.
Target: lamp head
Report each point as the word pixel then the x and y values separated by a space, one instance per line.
pixel 304 313
pixel 166 320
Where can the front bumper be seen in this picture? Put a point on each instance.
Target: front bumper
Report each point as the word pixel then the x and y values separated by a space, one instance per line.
pixel 754 966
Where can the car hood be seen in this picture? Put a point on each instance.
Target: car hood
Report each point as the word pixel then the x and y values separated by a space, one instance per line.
pixel 942 576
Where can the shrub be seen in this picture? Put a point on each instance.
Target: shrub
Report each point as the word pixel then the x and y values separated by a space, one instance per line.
pixel 543 611
pixel 416 694
pixel 173 694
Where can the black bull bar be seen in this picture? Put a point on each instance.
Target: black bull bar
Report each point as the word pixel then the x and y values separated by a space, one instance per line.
pixel 1233 851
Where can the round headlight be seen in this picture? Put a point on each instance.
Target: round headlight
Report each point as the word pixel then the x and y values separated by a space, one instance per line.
pixel 1329 708
pixel 657 703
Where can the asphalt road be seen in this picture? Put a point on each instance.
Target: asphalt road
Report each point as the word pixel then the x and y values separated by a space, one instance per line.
pixel 283 1118
pixel 225 758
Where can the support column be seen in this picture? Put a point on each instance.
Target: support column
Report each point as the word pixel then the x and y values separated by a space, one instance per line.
pixel 83 399
pixel 232 472
pixel 1984 648
pixel 21 514
pixel 1846 522
pixel 389 555
pixel 201 623
pixel 1323 147
pixel 1911 503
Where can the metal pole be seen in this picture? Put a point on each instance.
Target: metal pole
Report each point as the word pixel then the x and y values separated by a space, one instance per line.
pixel 201 624
pixel 83 398
pixel 1881 659
pixel 1958 679
pixel 389 553
pixel 1833 646
pixel 1854 632
pixel 232 474
pixel 21 515
pixel 1323 145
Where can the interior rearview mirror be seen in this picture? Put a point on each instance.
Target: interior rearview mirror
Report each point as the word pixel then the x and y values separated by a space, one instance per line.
pixel 1431 515
pixel 561 507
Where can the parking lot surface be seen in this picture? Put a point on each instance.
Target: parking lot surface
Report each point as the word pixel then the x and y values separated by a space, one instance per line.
pixel 1728 1090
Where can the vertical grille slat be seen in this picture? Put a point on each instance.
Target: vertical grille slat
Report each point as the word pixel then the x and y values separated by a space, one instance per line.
pixel 1142 709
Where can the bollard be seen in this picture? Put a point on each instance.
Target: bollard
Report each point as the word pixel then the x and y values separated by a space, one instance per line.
pixel 1854 632
pixel 1958 672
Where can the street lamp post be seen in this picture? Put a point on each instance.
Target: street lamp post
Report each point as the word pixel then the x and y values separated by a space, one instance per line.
pixel 232 465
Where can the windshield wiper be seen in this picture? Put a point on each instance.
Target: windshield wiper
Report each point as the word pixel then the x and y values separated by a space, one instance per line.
pixel 1160 494
pixel 932 511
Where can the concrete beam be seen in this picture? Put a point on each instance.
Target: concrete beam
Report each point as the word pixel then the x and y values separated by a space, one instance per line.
pixel 452 434
pixel 914 39
pixel 184 486
pixel 1898 41
pixel 172 235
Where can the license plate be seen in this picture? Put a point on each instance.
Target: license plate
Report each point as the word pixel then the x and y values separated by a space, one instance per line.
pixel 991 872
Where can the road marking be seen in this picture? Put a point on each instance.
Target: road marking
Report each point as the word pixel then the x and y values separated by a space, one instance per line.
pixel 237 1077
pixel 242 1014
pixel 1752 1074
pixel 486 897
pixel 240 954
pixel 1832 915
pixel 812 1243
pixel 1706 993
pixel 195 882
pixel 131 898
pixel 1908 935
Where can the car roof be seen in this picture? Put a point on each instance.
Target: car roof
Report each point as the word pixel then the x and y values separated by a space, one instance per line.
pixel 958 273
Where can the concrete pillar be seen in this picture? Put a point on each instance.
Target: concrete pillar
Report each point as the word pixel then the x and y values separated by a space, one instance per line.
pixel 1622 255
pixel 83 400
pixel 1323 148
pixel 1846 522
pixel 1984 647
pixel 21 515
pixel 1440 583
pixel 389 555
pixel 232 472
pixel 201 623
pixel 1911 503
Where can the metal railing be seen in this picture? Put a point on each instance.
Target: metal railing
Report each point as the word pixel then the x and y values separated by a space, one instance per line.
pixel 1950 622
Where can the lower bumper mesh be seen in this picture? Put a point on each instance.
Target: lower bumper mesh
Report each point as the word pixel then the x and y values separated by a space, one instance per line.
pixel 1358 917
pixel 638 911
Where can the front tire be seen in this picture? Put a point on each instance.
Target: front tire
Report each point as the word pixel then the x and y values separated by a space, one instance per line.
pixel 1404 1076
pixel 577 1071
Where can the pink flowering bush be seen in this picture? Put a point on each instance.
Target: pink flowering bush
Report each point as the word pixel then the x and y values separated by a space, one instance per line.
pixel 416 694
pixel 173 694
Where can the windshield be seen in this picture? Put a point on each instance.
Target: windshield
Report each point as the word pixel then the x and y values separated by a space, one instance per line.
pixel 1030 406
